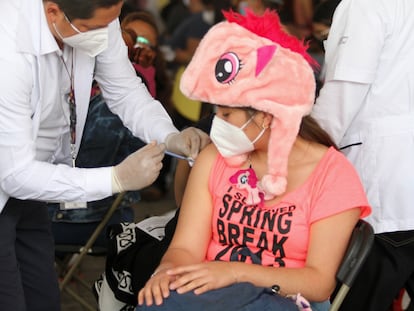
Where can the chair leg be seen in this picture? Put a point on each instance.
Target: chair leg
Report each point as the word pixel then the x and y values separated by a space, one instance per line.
pixel 339 298
pixel 92 239
pixel 72 293
pixel 70 273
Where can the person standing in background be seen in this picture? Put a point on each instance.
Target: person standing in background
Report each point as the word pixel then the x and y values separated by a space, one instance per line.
pixel 52 50
pixel 180 48
pixel 172 15
pixel 366 104
pixel 140 33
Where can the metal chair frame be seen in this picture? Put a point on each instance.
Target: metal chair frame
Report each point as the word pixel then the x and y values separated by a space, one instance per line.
pixel 82 251
pixel 357 251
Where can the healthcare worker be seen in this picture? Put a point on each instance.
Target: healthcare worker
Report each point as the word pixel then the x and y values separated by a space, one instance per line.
pixel 367 106
pixel 50 53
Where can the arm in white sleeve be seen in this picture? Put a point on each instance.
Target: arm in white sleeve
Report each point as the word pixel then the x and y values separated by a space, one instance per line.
pixel 337 105
pixel 352 54
pixel 48 182
pixel 125 93
pixel 21 175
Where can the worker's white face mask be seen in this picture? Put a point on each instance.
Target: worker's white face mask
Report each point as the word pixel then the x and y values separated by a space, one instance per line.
pixel 91 42
pixel 231 140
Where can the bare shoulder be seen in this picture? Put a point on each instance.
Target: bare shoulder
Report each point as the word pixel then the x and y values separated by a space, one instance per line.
pixel 209 152
pixel 206 158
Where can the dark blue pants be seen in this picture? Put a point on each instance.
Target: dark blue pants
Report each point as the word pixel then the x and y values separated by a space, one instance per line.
pixel 28 280
pixel 240 297
pixel 230 298
pixel 389 267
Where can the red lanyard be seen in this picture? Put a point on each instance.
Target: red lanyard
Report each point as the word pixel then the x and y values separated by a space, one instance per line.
pixel 72 112
pixel 72 123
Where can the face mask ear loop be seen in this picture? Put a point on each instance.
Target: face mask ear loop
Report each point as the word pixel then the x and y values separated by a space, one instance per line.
pixel 247 122
pixel 57 31
pixel 264 128
pixel 71 25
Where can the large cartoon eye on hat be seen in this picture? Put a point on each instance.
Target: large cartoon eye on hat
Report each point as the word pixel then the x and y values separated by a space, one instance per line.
pixel 227 67
pixel 250 61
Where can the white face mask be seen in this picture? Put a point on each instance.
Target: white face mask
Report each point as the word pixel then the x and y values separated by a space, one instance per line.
pixel 91 42
pixel 231 140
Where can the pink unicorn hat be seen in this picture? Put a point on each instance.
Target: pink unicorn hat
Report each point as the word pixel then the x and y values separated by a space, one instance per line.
pixel 250 61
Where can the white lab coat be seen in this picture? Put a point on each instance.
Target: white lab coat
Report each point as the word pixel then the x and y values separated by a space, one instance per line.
pixel 367 103
pixel 25 39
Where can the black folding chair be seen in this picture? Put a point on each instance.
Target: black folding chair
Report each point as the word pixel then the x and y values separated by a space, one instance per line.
pixel 359 246
pixel 68 268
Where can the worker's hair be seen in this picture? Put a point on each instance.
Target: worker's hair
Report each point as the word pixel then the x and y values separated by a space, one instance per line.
pixel 83 9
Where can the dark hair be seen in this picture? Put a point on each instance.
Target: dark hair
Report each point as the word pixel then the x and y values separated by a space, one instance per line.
pixel 309 129
pixel 272 4
pixel 218 6
pixel 162 79
pixel 207 2
pixel 144 16
pixel 324 12
pixel 83 9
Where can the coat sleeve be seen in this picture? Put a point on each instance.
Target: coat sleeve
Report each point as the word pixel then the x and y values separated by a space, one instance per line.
pixel 125 93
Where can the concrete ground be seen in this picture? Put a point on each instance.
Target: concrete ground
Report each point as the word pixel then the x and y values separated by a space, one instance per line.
pixel 93 266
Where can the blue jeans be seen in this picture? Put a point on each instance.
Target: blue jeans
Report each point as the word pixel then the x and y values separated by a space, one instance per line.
pixel 320 306
pixel 237 297
pixel 74 227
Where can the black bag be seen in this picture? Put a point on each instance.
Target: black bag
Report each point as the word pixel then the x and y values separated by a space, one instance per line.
pixel 133 255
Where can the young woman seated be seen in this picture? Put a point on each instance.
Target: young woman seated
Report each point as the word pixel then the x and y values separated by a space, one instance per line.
pixel 296 240
pixel 271 203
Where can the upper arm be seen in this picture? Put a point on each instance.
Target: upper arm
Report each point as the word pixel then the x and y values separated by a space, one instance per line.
pixel 329 238
pixel 337 206
pixel 126 95
pixel 193 231
pixel 184 56
pixel 337 105
pixel 182 172
pixel 16 124
pixel 192 44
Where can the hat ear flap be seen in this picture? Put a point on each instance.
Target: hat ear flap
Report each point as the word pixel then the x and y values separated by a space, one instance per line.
pixel 282 137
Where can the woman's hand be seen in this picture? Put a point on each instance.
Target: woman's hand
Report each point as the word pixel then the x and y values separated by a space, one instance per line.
pixel 144 56
pixel 156 289
pixel 202 277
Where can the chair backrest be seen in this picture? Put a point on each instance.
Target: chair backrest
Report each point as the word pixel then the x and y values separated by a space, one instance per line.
pixel 357 251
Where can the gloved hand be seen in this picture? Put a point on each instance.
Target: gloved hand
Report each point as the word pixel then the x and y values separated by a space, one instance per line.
pixel 188 142
pixel 139 169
